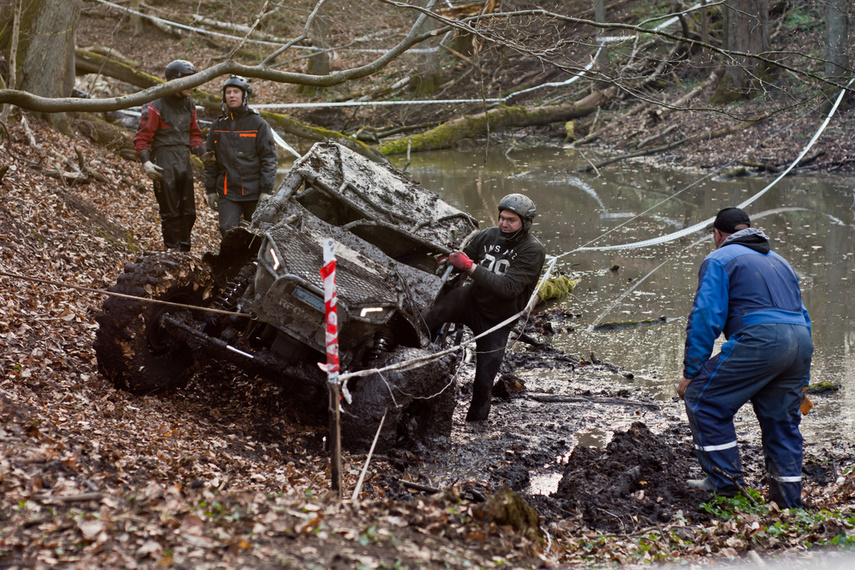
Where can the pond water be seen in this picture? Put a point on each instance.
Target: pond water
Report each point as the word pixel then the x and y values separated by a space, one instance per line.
pixel 810 220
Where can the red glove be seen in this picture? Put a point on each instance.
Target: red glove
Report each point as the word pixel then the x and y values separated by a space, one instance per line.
pixel 460 261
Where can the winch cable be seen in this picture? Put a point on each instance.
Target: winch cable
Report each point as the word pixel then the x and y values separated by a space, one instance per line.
pixel 421 360
pixel 124 296
pixel 701 225
pixel 639 215
pixel 677 254
pixel 406 365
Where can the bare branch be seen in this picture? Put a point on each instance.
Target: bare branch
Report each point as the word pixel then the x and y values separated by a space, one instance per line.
pixel 64 104
pixel 299 38
pixel 251 29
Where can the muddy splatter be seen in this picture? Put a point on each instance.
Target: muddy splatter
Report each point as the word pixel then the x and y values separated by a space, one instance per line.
pixel 638 480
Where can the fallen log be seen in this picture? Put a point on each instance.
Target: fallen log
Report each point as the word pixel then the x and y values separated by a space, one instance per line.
pixel 450 133
pixel 87 61
pixel 105 134
pixel 559 399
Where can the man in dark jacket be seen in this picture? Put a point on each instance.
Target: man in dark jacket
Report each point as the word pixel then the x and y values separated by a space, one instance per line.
pixel 504 264
pixel 752 295
pixel 244 171
pixel 167 133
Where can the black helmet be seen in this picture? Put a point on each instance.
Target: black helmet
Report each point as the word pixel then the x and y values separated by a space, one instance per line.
pixel 522 206
pixel 240 83
pixel 179 68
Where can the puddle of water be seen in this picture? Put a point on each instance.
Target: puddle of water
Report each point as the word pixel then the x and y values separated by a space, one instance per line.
pixel 810 219
pixel 593 438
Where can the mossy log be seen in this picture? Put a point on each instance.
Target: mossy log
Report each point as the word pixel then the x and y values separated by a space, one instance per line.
pixel 105 134
pixel 88 61
pixel 448 134
pixel 506 508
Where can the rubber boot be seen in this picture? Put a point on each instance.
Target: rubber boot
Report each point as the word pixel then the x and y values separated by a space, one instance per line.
pixel 171 230
pixel 479 408
pixel 786 495
pixel 187 221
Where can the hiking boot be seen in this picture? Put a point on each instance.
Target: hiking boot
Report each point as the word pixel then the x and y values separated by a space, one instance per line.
pixel 707 484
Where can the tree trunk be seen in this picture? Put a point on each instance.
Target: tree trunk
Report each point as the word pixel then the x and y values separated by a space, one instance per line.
pixel 836 38
pixel 319 62
pixel 603 66
pixel 428 73
pixel 705 24
pixel 136 21
pixel 449 134
pixel 600 11
pixel 46 50
pixel 746 30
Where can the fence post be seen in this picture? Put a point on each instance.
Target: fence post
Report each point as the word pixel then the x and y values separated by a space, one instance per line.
pixel 328 276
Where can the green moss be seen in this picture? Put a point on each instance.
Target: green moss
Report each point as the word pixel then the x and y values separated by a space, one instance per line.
pixel 557 287
pixel 823 387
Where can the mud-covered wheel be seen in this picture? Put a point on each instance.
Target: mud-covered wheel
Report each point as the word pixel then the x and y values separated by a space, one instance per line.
pixel 418 403
pixel 134 351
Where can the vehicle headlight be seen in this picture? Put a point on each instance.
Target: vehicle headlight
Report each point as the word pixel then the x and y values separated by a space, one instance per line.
pixel 374 313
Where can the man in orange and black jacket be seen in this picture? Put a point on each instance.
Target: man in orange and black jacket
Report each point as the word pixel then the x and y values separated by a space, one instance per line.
pixel 241 166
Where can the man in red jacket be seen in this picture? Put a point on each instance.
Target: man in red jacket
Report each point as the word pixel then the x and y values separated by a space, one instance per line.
pixel 168 132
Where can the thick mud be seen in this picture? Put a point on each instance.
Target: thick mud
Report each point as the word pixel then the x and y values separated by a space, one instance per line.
pixel 637 481
pixel 573 437
pixel 583 448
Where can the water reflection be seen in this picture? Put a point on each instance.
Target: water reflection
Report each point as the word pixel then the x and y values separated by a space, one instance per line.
pixel 810 220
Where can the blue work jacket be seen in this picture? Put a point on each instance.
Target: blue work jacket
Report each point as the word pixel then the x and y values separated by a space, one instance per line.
pixel 741 283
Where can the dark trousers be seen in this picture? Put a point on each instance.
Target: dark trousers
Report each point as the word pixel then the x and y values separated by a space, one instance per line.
pixel 768 365
pixel 457 307
pixel 231 211
pixel 175 197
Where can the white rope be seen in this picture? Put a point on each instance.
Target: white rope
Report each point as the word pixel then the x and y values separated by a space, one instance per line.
pixel 422 360
pixel 655 269
pixel 281 142
pixel 701 225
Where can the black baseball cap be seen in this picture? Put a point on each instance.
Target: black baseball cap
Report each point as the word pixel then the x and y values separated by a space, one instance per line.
pixel 727 220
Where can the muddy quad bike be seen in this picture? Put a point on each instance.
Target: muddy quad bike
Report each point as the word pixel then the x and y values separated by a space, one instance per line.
pixel 266 283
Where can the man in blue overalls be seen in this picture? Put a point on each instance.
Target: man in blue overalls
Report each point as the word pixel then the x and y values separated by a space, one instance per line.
pixel 752 295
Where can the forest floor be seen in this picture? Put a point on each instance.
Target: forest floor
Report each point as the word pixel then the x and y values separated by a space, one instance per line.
pixel 219 475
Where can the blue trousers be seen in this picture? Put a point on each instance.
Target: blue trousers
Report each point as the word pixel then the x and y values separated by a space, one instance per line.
pixel 768 365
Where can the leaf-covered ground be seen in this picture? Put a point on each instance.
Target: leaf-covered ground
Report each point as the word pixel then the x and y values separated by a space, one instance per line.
pixel 218 476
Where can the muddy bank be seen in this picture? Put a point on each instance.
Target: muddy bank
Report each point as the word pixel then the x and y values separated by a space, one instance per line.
pixel 582 448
